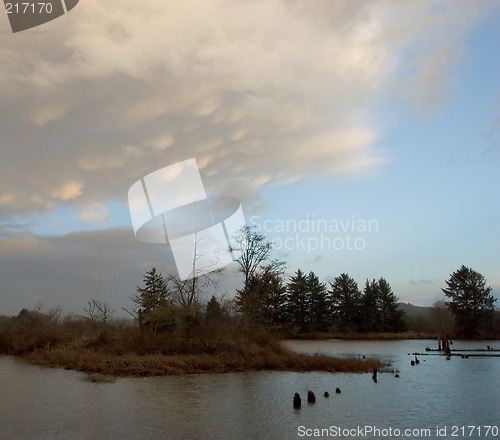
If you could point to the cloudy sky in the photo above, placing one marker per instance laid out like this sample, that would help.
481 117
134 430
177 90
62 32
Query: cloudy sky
363 137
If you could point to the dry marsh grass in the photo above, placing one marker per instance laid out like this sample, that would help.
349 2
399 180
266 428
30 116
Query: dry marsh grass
250 358
126 350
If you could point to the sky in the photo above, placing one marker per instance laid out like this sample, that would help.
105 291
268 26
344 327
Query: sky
360 137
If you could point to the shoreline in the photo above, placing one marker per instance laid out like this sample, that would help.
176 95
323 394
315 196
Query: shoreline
387 336
252 358
363 336
104 363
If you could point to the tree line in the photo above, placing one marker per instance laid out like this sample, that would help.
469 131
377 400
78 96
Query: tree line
305 304
301 303
174 318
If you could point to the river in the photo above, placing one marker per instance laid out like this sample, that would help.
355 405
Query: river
434 399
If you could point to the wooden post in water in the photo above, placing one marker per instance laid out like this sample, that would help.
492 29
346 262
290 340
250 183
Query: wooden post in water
297 401
311 398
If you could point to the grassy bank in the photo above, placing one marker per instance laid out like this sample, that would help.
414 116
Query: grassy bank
124 349
252 357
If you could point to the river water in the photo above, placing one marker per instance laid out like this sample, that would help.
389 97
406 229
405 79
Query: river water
434 399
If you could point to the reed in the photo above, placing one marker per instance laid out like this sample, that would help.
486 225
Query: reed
126 350
246 358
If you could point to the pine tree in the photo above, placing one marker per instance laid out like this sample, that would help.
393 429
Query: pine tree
298 300
150 298
319 304
214 310
346 303
370 316
391 317
273 297
263 298
471 301
380 309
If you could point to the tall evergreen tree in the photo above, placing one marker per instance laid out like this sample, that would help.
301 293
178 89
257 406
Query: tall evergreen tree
471 301
380 308
319 305
391 317
154 293
370 316
248 299
213 311
151 298
274 297
263 298
298 300
346 303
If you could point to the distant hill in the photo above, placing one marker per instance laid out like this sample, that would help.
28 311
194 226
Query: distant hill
413 311
419 318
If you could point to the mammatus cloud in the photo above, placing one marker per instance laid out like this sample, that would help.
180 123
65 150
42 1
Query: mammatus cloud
68 191
261 92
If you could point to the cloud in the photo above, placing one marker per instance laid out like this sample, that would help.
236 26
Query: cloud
261 93
6 198
422 282
95 212
102 161
71 269
22 244
13 227
68 191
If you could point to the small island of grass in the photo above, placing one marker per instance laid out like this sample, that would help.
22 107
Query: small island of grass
122 349
251 357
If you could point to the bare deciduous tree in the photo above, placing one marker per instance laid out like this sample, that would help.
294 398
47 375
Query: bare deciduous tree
254 249
98 311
